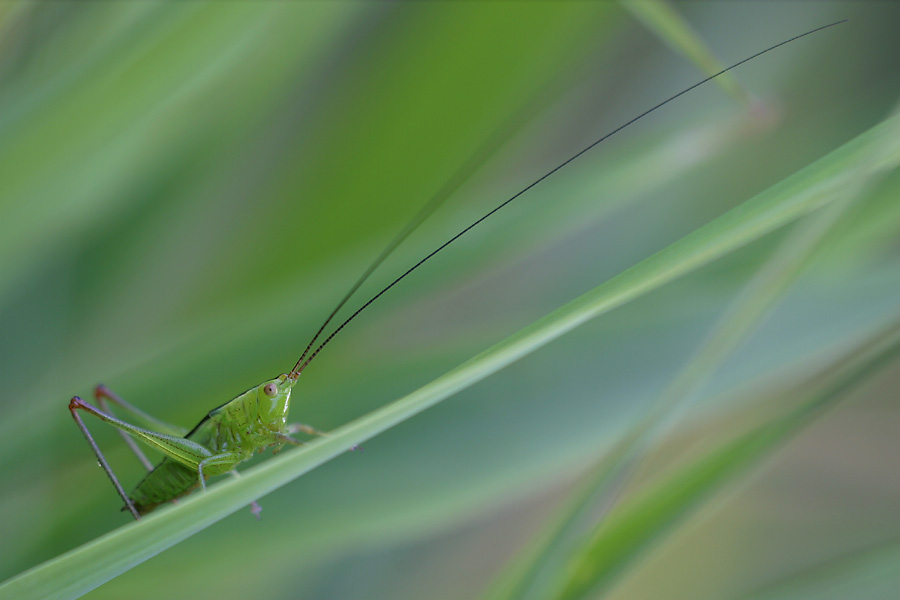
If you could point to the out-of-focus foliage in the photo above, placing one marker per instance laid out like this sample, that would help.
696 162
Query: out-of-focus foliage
186 189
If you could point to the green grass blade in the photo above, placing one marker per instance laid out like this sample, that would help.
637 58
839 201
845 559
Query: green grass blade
635 528
531 575
868 573
674 30
91 565
611 474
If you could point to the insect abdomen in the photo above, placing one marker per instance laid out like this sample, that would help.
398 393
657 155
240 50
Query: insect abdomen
169 480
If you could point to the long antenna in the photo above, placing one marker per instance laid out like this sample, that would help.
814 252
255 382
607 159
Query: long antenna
302 364
471 165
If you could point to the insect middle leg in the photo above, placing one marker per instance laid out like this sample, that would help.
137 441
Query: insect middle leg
255 508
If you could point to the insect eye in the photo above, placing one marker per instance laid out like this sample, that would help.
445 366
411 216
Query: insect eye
270 389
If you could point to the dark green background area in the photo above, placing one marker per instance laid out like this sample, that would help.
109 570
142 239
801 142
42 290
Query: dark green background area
186 189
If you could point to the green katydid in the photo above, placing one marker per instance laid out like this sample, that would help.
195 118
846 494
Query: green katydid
257 419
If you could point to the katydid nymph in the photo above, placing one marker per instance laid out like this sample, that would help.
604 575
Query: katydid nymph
258 418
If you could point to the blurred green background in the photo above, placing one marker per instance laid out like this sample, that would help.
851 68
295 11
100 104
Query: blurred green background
186 189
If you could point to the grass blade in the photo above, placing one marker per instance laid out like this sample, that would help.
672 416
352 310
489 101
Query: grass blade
89 566
633 529
673 29
867 573
541 568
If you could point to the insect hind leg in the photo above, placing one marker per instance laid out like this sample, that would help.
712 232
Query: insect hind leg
105 396
77 404
103 393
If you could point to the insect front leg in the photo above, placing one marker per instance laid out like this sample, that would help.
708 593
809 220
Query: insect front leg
283 439
310 430
303 428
